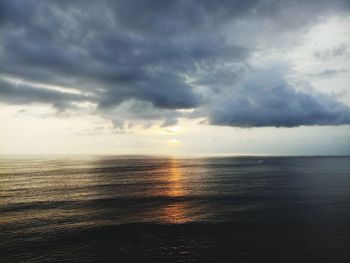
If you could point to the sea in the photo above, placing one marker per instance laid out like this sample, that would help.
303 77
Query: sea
164 209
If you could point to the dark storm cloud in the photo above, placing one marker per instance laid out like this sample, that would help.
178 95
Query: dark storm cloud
59 43
168 17
26 94
154 52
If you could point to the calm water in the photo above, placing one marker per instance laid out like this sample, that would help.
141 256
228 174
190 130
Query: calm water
113 209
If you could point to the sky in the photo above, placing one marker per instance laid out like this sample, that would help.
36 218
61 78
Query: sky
252 77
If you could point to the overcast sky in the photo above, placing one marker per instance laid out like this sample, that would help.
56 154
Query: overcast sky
175 77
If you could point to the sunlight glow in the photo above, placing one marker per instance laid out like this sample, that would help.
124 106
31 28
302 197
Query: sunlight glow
174 141
176 129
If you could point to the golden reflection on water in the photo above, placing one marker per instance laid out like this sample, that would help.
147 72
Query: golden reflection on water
174 176
46 182
177 212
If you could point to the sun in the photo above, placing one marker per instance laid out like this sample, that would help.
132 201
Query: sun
174 141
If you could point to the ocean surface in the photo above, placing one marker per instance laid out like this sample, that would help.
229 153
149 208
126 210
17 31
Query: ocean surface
144 209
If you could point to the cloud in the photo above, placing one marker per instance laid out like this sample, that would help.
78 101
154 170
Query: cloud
329 73
331 53
267 99
135 111
26 94
163 55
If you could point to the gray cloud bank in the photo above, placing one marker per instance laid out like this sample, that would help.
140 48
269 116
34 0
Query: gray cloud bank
148 59
266 99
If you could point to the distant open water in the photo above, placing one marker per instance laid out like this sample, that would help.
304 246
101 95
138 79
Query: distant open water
122 209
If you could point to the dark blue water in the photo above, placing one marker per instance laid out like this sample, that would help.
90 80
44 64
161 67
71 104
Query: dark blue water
114 209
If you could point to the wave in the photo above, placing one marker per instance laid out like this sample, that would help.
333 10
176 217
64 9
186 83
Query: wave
185 242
